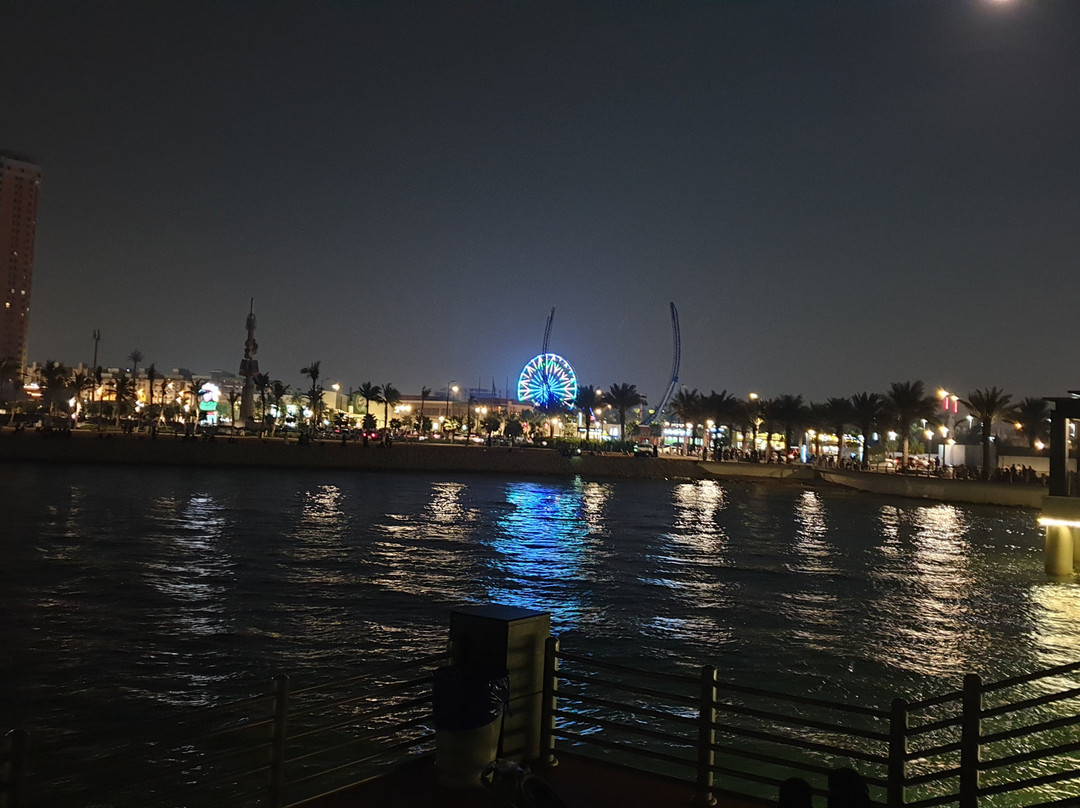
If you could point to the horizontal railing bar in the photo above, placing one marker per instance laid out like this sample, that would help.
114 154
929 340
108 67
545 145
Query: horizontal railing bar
633 729
935 701
930 802
226 732
359 719
581 698
94 739
1068 667
1031 782
1031 729
1035 701
630 750
361 738
332 695
1063 802
625 687
814 746
934 726
933 751
318 709
383 670
798 721
807 700
760 757
347 765
1024 757
615 666
930 777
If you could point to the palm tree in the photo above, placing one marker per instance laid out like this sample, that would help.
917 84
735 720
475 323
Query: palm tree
905 404
689 406
81 383
491 423
988 406
623 397
425 394
866 411
791 413
391 397
587 397
314 394
233 399
262 384
723 409
278 391
838 413
56 380
1032 415
369 392
151 377
136 357
123 388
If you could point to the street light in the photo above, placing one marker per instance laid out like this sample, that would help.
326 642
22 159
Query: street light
448 389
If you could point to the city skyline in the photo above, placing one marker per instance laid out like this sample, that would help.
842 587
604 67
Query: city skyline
835 198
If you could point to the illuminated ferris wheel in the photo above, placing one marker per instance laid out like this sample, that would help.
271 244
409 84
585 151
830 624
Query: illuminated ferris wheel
547 381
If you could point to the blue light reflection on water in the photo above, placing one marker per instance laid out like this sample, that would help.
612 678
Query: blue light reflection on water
181 587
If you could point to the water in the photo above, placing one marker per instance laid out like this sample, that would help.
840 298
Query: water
130 591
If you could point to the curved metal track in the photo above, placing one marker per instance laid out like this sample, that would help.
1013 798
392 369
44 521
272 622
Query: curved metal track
674 383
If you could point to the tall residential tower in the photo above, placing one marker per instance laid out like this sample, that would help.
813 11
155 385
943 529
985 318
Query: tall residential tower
19 181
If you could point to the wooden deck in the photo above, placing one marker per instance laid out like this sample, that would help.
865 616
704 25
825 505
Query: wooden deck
579 782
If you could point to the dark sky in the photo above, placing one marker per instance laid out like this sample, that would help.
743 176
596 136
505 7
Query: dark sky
835 195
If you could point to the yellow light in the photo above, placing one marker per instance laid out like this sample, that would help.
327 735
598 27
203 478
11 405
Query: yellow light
1040 445
1046 521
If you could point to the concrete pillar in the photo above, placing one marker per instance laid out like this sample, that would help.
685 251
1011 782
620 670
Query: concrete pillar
1059 454
507 638
1061 521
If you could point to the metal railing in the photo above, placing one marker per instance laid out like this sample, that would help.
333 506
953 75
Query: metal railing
269 751
1008 743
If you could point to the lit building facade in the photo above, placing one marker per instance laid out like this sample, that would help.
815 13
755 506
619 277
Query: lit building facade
19 182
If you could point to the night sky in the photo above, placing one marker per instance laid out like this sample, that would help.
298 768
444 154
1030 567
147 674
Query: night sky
835 195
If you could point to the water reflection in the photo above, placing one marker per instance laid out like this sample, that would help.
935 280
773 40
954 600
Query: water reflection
926 617
690 567
426 554
1056 613
814 553
541 544
193 571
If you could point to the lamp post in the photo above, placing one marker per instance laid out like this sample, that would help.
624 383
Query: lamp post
448 389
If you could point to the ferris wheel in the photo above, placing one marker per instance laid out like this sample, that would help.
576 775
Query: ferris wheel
547 381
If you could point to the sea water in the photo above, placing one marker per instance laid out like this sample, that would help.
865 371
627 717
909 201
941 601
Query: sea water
129 591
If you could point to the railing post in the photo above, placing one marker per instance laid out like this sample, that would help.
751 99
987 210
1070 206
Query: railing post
11 791
706 739
275 795
898 750
548 705
970 739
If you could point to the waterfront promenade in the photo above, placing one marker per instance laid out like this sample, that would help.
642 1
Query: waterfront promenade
405 456
169 450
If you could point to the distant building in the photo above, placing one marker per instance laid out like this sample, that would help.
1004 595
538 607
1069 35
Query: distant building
19 181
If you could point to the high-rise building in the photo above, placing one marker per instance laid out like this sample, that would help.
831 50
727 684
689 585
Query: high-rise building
19 181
